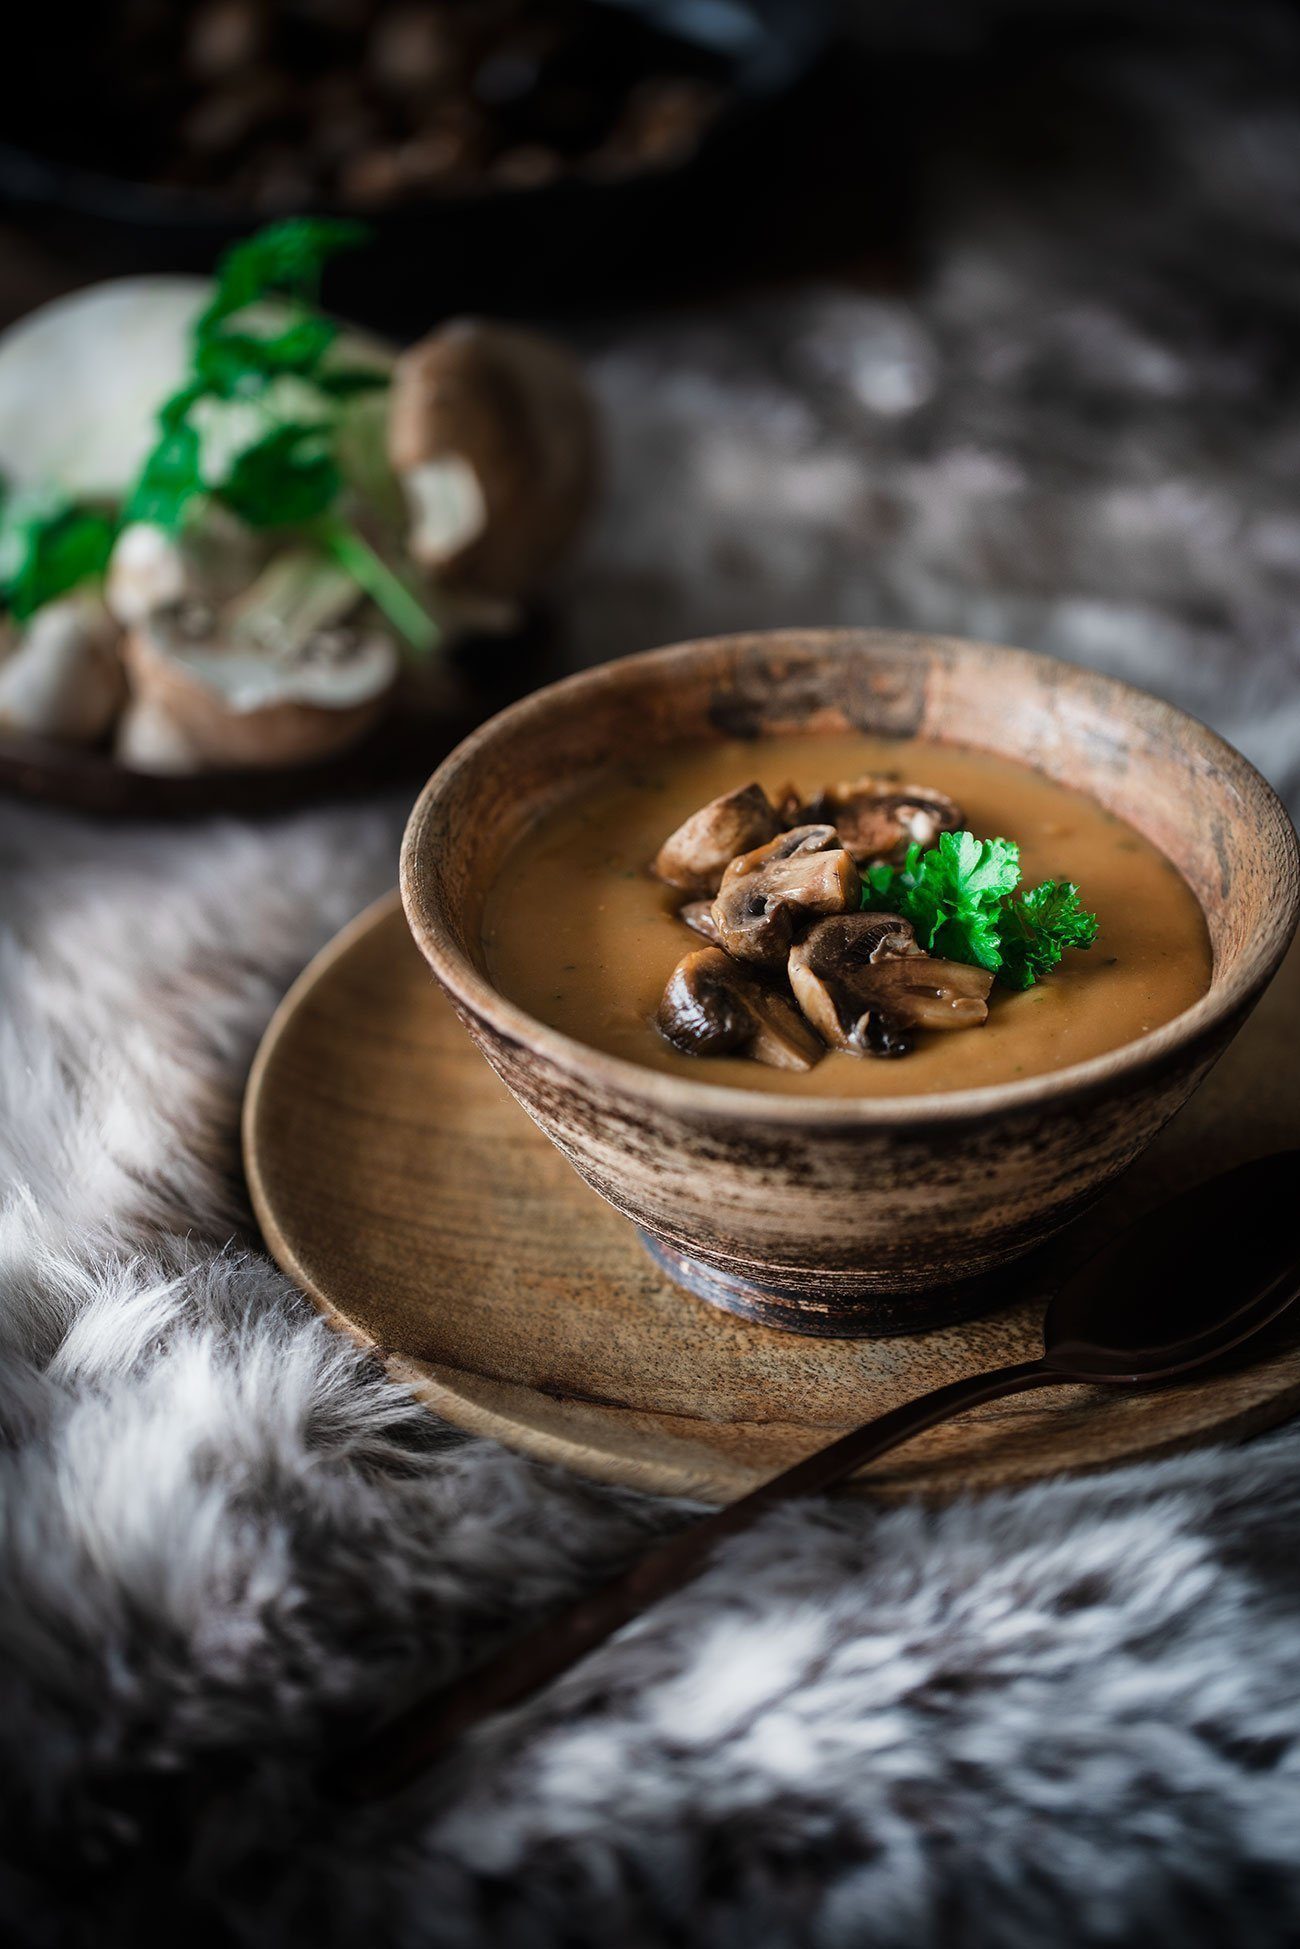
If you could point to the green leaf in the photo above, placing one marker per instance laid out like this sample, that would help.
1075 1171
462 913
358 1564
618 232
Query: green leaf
382 584
262 423
170 479
1038 928
49 545
285 259
228 364
286 479
958 897
175 410
257 421
952 895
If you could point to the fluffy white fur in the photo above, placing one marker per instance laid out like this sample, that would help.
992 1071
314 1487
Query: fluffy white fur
1070 1715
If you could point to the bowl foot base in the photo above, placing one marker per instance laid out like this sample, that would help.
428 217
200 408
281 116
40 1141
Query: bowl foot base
827 1315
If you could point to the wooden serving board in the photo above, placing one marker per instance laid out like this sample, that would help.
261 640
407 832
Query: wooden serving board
402 1188
478 677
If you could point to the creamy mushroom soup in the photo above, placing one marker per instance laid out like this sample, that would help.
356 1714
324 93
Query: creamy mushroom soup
580 933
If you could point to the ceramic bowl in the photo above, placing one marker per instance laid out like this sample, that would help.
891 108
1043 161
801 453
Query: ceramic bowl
854 1216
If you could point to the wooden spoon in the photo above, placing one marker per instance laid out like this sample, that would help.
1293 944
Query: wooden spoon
1181 1287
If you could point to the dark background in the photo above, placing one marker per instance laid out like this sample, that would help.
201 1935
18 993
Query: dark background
975 317
841 131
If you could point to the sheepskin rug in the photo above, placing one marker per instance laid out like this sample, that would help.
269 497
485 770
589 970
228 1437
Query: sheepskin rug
1069 1715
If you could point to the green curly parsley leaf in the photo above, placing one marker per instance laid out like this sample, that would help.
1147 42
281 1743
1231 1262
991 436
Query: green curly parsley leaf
171 476
48 546
231 364
283 260
281 476
959 899
285 480
952 895
259 423
1037 928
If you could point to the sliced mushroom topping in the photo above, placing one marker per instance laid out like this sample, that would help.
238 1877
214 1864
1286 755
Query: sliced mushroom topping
712 1007
875 817
695 857
698 914
866 986
766 893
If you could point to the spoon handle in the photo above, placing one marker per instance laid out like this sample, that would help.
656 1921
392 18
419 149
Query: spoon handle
410 1741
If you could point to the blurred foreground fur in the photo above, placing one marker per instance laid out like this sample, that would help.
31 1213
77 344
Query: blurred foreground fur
1066 1715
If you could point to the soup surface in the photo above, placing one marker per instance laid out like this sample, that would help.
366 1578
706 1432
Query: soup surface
578 932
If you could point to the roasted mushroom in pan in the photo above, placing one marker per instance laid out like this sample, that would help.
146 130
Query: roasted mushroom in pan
866 986
714 1007
765 894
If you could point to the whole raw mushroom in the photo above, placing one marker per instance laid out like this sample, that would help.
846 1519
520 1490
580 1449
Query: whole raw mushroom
61 675
81 379
492 433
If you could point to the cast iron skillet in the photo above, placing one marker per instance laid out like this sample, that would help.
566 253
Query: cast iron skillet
525 249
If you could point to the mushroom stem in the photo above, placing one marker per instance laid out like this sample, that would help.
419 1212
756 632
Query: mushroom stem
63 677
296 594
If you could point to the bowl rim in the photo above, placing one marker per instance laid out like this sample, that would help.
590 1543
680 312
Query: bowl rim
686 1098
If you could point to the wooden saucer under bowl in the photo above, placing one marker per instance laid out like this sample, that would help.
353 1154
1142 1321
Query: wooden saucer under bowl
402 1188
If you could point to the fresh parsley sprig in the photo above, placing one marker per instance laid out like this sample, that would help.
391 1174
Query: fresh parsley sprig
1038 927
961 899
286 258
257 424
49 545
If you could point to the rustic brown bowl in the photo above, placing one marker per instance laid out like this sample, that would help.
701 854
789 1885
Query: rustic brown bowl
858 1216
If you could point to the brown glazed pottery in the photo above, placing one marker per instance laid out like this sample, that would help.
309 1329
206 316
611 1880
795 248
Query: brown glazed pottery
868 1216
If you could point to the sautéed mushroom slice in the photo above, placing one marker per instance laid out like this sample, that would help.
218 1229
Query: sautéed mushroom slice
698 915
875 817
766 893
713 1007
694 858
866 986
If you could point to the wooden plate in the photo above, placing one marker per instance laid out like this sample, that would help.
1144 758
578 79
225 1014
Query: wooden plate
93 782
403 1189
